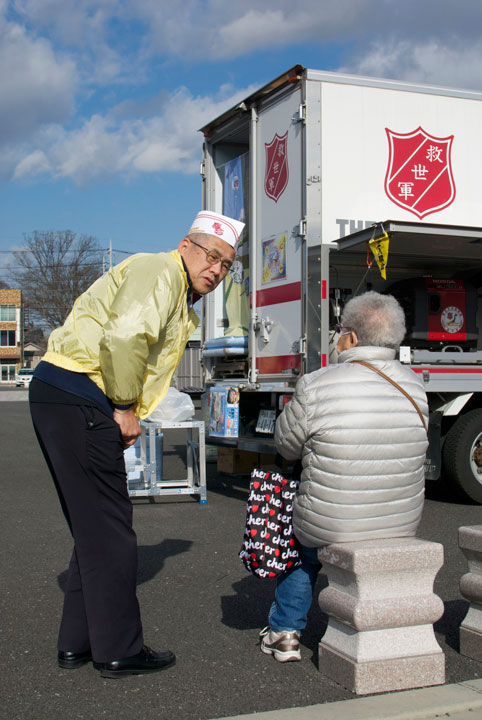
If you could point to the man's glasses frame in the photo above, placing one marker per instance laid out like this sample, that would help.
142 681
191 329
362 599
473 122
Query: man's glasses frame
213 258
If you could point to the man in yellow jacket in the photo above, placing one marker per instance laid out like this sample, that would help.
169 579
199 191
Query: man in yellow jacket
108 366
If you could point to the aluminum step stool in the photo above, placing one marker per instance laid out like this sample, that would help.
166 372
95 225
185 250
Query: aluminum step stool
144 468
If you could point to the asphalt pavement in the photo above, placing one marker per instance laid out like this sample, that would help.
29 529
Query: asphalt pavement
197 599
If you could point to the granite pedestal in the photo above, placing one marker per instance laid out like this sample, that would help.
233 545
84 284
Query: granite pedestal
470 542
381 609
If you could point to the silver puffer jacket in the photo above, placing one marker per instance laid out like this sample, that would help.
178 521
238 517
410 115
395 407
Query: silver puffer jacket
362 445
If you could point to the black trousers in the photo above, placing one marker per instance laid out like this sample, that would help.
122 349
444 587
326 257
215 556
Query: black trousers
84 452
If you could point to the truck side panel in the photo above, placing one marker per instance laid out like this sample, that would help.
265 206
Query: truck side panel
356 157
280 200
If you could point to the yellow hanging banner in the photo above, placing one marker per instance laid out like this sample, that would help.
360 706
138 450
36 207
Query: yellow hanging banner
379 248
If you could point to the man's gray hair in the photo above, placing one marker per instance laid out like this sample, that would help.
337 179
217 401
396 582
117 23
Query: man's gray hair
376 319
198 237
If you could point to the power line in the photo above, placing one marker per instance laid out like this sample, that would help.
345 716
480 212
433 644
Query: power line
60 266
26 250
62 263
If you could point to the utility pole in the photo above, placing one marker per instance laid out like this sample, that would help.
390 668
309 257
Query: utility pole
110 253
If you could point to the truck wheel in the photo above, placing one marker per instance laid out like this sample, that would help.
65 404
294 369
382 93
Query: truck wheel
462 454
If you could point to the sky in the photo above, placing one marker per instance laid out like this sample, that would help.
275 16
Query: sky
101 101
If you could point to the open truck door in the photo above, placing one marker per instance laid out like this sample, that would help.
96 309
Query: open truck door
255 152
277 240
435 271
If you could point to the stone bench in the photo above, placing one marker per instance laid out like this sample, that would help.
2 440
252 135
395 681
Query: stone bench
470 542
381 609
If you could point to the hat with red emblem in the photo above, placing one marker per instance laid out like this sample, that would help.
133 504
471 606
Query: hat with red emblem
211 223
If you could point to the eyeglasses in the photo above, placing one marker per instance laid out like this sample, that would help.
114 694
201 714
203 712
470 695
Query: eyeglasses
342 330
213 258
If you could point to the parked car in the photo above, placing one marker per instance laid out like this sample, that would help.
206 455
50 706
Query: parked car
24 376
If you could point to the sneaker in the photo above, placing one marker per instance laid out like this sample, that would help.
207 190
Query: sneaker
284 645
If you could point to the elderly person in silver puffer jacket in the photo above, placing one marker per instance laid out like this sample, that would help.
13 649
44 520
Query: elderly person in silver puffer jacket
362 445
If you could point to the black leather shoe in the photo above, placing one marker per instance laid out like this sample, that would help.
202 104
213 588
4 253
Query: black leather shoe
146 661
71 660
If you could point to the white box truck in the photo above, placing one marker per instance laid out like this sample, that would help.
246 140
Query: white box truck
346 184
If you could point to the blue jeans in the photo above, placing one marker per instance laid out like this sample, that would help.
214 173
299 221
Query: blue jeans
294 593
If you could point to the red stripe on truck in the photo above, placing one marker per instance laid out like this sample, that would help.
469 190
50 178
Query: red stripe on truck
275 365
447 370
279 294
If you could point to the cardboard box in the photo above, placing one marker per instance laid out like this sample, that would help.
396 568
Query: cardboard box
237 462
241 462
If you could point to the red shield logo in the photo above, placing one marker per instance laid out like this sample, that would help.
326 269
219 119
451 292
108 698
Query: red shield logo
276 176
419 175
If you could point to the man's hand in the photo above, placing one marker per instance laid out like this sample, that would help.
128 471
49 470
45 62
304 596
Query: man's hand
129 425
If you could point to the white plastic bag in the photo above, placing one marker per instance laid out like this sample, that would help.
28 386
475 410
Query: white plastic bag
176 407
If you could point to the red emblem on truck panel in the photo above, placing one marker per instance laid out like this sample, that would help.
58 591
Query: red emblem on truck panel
276 175
419 175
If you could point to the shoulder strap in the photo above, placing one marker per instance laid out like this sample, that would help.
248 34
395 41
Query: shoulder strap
395 384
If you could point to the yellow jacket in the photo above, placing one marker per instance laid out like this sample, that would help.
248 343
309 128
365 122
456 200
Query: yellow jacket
128 331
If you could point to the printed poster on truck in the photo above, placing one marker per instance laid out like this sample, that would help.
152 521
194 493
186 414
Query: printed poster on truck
236 284
224 412
274 258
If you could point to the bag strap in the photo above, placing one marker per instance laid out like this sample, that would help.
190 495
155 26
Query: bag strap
395 384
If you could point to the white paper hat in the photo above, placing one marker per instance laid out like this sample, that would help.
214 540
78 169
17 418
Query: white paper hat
212 223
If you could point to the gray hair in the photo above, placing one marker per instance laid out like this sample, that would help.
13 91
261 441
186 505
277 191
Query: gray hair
198 237
377 320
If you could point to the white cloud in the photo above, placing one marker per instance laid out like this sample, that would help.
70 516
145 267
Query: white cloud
428 62
92 43
112 39
94 149
283 24
91 32
216 29
109 145
34 163
70 22
256 28
36 86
